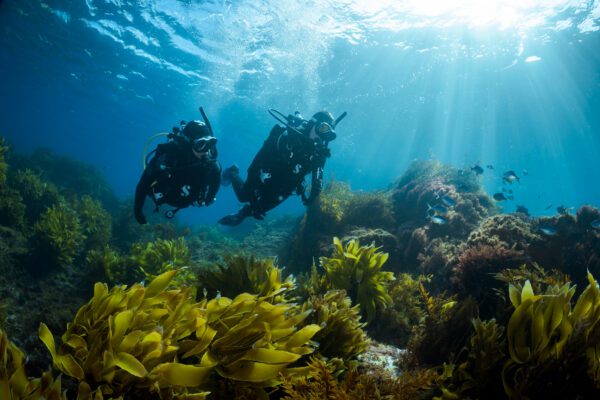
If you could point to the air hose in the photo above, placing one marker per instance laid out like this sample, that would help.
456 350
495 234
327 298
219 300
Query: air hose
150 139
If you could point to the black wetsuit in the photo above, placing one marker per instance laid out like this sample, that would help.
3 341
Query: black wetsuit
278 170
175 176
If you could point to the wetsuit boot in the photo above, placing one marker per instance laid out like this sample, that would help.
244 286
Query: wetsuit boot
237 218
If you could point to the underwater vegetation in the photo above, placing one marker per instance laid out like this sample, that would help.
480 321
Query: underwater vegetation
342 333
72 177
113 346
159 256
245 274
58 235
16 385
486 305
357 270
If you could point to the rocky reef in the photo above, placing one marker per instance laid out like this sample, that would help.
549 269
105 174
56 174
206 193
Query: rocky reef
483 304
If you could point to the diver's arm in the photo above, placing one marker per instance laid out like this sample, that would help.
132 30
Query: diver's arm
214 182
141 191
315 187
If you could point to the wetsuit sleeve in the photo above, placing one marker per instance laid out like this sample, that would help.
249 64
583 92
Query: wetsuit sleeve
141 191
214 182
317 177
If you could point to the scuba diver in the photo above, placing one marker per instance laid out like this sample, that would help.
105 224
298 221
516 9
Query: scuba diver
278 169
182 172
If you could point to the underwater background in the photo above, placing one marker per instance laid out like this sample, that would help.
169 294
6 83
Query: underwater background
515 86
452 254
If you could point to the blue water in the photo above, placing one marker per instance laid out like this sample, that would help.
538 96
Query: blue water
515 86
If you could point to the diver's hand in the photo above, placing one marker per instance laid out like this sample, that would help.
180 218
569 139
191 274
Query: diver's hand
140 217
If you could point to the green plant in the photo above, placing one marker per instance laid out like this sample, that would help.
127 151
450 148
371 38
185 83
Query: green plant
332 204
342 334
245 274
3 163
37 195
96 222
155 258
357 270
12 209
369 209
142 340
395 323
58 234
108 264
128 340
14 383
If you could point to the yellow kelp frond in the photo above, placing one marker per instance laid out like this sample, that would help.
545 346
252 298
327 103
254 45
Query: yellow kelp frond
131 338
255 340
544 328
160 256
342 332
246 274
14 383
357 270
540 325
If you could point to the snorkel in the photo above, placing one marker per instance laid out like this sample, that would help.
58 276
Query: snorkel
175 132
292 121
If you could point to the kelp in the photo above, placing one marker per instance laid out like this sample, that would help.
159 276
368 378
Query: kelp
14 383
342 333
58 234
159 256
245 274
357 270
154 340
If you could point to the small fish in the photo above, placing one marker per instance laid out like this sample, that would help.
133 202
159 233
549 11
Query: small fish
595 224
549 206
437 209
477 169
499 197
562 210
489 166
548 231
438 219
525 172
511 197
510 177
448 201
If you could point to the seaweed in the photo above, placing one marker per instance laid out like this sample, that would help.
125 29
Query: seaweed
14 383
96 222
357 270
342 333
58 235
246 274
155 258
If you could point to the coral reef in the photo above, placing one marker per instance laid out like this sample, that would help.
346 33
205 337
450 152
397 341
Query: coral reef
357 270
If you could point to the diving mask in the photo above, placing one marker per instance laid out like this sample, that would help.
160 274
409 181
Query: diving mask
325 131
204 144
